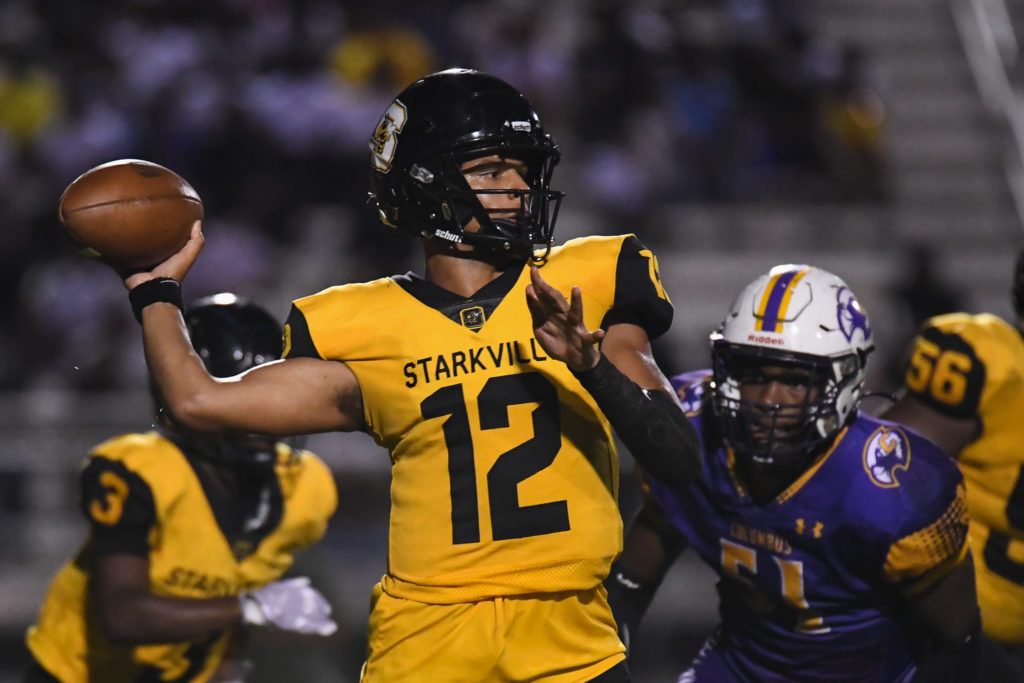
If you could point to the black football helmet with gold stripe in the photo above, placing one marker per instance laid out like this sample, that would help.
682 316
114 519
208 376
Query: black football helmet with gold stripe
429 130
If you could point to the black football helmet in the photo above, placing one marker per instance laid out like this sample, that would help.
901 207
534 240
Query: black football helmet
429 130
230 335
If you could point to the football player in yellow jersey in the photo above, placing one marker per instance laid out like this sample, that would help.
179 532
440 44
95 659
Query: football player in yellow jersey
190 535
964 389
494 381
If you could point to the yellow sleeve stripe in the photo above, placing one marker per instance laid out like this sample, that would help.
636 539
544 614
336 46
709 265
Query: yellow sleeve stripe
927 555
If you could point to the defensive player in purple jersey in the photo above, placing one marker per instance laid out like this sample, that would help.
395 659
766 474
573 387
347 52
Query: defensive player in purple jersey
839 539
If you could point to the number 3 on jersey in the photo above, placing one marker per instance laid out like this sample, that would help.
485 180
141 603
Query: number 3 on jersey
109 510
509 519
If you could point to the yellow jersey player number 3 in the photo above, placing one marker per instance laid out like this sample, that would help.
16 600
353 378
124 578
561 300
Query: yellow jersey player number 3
190 535
494 379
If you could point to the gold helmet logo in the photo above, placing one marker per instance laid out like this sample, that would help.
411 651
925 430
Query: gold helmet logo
384 142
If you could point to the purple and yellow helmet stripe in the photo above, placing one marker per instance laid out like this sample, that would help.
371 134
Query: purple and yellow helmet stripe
771 312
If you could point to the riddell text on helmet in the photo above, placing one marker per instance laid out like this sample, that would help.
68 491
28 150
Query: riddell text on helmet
764 339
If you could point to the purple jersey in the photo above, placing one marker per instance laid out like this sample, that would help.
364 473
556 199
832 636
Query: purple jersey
810 582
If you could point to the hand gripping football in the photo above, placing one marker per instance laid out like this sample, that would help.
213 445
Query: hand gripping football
130 213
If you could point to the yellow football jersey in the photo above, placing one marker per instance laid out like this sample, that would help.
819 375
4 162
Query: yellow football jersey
142 496
973 366
504 470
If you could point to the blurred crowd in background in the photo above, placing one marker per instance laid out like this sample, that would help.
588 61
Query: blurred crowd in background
265 106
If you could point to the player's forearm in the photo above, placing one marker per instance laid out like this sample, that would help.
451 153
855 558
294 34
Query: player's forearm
650 424
146 618
957 649
178 372
635 576
651 545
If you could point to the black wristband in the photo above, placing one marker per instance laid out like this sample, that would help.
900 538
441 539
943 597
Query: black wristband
161 290
595 375
629 599
630 583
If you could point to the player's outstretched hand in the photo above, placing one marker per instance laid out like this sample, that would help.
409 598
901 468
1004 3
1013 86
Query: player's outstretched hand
290 605
174 267
558 324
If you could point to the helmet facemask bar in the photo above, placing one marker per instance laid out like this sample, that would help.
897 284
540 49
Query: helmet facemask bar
509 238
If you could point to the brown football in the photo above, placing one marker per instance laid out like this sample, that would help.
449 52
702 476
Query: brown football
130 213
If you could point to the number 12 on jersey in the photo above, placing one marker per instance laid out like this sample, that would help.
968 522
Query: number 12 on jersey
509 519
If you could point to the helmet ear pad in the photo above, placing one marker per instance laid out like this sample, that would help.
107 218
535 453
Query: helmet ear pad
437 194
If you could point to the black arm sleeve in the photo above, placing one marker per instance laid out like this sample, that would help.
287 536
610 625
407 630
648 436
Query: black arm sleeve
651 425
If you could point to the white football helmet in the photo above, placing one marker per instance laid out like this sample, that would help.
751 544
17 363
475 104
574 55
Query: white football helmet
793 316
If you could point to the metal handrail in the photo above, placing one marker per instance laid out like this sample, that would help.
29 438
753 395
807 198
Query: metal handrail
992 52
